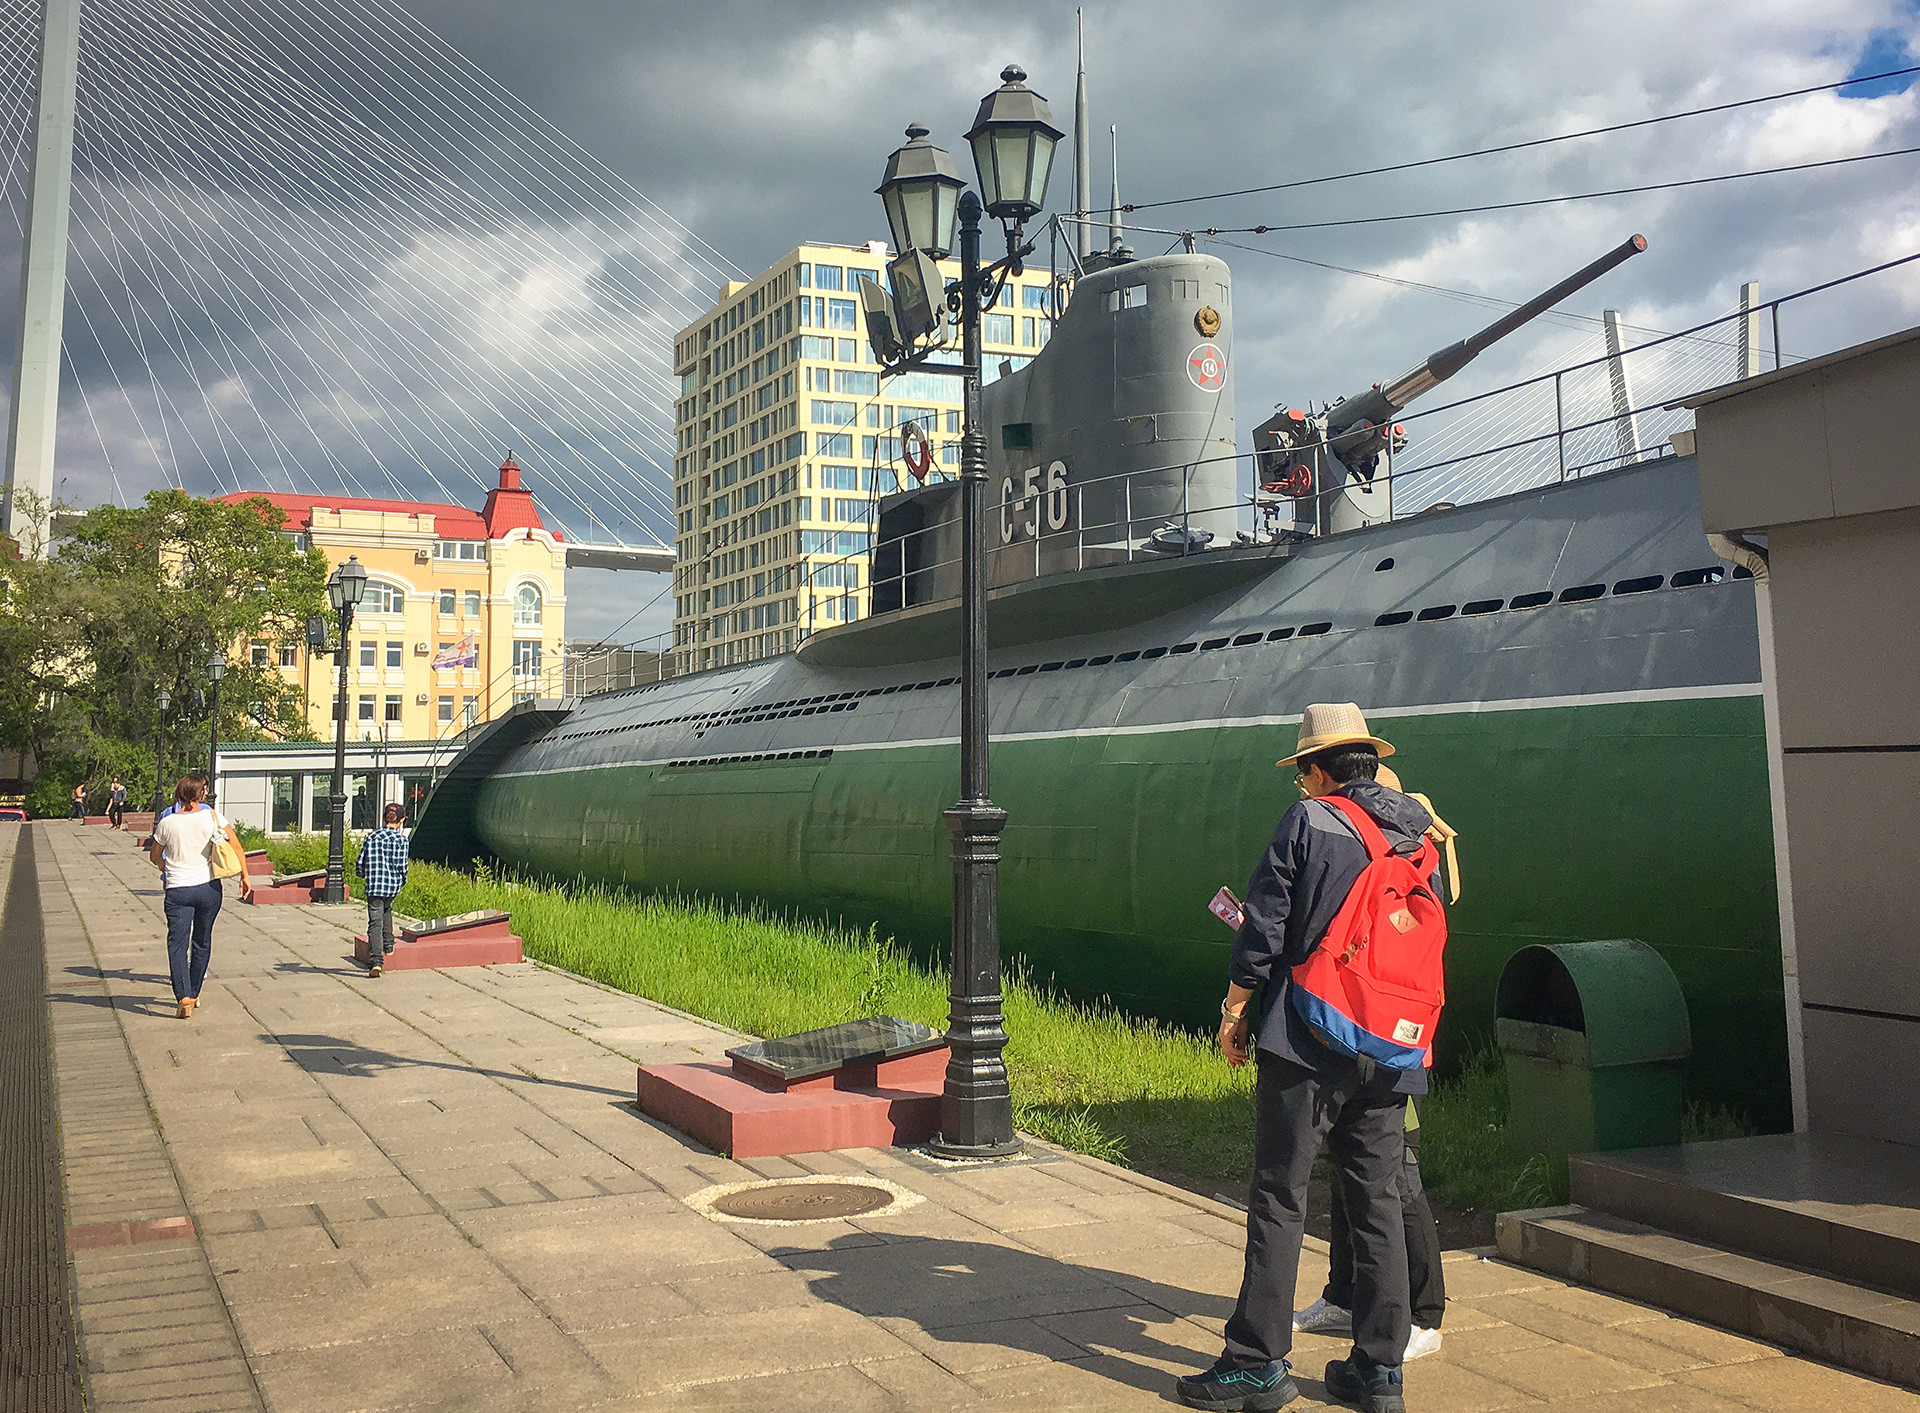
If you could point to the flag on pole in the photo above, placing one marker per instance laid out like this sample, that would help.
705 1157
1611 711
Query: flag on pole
465 653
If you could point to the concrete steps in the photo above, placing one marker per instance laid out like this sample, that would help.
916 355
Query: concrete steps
1809 1242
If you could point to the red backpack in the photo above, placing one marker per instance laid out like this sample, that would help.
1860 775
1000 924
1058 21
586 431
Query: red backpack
1374 984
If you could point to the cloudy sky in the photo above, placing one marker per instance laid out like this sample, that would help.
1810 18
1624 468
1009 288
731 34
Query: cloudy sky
756 126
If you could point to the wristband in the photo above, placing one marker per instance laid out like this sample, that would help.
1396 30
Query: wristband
1226 1014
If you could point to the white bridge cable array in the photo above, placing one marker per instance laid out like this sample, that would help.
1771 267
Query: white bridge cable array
314 248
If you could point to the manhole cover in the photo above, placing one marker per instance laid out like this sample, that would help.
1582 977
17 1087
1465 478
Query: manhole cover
803 1201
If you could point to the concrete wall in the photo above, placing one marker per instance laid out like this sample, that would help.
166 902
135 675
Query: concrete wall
1824 461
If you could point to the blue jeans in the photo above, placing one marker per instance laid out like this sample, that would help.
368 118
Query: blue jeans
190 915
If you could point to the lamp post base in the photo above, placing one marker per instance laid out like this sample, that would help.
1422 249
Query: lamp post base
940 1147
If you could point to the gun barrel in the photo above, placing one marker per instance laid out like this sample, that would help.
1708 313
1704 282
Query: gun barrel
1378 404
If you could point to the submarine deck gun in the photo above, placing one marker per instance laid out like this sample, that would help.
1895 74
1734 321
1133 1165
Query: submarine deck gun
1308 455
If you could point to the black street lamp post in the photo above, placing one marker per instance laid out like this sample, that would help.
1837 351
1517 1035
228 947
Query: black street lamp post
216 669
1012 139
345 586
162 699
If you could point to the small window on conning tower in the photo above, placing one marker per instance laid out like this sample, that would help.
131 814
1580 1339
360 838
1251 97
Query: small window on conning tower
1383 565
1535 600
1388 620
1580 593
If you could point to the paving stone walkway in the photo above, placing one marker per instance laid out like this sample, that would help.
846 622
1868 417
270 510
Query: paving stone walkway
432 1191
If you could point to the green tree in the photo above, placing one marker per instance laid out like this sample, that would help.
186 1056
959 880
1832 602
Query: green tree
141 598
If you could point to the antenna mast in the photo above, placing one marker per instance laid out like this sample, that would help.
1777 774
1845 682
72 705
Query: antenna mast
1116 231
1082 151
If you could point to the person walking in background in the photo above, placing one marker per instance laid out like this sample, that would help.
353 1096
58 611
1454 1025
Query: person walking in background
77 805
383 868
116 802
182 843
1345 828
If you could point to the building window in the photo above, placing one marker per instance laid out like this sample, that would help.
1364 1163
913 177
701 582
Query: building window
526 658
526 606
289 655
443 711
369 650
393 708
366 708
997 328
840 314
257 654
826 277
1033 296
447 599
838 444
460 549
396 654
470 604
284 814
383 598
469 710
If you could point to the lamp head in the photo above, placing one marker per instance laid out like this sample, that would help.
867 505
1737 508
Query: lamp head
351 581
1013 138
216 667
921 192
163 699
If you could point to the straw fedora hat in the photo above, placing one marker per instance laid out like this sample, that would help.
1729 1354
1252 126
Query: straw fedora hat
1327 724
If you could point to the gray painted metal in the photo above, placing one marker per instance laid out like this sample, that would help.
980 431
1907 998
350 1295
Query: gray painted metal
655 559
43 275
1626 429
1609 530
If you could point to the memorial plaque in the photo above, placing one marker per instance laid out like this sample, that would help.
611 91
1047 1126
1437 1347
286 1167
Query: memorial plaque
818 1052
456 922
299 880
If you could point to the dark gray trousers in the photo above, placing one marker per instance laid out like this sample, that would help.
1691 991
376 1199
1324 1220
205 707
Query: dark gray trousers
1424 1273
1363 1122
379 927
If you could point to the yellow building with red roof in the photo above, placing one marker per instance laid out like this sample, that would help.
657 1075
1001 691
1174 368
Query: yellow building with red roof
463 616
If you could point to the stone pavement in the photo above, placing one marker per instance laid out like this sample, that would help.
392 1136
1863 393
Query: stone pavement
432 1191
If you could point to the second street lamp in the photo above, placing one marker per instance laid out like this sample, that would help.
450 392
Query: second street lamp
1012 137
162 699
216 669
345 586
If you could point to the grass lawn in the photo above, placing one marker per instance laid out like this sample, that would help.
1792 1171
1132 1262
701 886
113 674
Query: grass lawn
1086 1077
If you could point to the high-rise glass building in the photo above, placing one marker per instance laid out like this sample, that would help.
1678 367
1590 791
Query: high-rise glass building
785 440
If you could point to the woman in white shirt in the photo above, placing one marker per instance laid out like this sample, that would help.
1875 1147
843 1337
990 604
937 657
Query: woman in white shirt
181 842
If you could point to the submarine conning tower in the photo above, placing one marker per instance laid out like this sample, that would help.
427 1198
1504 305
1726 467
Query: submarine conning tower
1115 443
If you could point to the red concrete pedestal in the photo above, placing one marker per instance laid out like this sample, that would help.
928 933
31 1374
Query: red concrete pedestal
290 892
258 864
483 942
744 1112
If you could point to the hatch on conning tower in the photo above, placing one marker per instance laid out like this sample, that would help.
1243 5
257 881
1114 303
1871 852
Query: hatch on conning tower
1115 443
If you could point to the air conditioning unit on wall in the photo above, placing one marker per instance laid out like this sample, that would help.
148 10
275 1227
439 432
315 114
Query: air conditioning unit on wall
420 699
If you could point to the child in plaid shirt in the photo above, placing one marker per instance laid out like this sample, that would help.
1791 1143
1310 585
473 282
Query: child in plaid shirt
383 868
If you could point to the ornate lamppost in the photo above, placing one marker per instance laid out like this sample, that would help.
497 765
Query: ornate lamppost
216 669
162 699
345 586
1013 139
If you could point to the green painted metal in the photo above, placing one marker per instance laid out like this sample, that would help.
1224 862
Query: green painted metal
1638 819
1595 1036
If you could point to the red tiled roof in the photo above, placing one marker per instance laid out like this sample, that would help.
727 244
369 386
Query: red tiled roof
509 506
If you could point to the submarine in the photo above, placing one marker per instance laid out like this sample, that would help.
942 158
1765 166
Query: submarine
1569 671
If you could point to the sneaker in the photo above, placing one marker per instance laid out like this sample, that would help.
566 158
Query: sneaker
1322 1318
374 970
1374 1389
1226 1388
1420 1343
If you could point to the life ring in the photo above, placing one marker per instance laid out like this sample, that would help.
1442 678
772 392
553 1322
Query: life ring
916 449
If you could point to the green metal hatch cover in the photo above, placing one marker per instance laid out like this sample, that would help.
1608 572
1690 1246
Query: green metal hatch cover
803 1201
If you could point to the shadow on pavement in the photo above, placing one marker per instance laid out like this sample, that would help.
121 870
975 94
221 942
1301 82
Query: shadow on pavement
968 1292
328 1054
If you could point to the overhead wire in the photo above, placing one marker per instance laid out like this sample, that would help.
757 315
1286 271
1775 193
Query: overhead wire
1522 146
1524 203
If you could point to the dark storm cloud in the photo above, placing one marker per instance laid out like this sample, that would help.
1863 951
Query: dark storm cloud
759 126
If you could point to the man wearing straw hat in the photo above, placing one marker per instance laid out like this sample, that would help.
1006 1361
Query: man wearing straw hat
1306 1091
